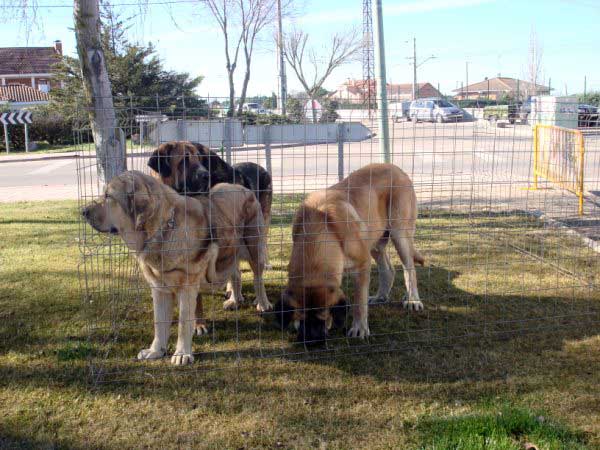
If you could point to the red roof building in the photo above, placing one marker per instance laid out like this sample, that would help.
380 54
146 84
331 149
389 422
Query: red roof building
21 95
29 66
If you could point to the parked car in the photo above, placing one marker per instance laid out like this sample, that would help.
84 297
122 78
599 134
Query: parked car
252 107
587 116
400 111
512 113
434 109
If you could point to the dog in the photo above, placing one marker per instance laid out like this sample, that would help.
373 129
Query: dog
183 245
339 229
193 169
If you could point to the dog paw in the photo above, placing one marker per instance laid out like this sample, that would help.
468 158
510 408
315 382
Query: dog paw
182 359
200 329
149 353
413 305
359 330
230 305
378 299
264 306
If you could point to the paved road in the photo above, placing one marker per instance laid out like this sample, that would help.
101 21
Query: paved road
452 161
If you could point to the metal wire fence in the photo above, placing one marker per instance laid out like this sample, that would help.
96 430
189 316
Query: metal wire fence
501 258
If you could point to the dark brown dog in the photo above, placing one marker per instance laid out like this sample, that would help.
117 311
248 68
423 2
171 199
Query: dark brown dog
339 229
192 169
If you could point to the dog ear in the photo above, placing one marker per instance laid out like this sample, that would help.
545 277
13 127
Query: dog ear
139 202
339 313
283 310
159 162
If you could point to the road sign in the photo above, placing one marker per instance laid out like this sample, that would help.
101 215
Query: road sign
16 118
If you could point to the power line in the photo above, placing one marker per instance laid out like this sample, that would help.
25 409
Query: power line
141 3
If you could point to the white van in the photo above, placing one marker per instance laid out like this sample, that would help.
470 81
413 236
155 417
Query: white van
434 110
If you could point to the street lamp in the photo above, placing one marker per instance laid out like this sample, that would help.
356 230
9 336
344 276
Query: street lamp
488 88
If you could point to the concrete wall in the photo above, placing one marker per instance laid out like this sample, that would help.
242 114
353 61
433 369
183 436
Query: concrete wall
213 133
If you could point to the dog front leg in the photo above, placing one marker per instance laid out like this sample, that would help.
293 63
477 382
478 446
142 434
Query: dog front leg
187 308
234 290
163 314
360 307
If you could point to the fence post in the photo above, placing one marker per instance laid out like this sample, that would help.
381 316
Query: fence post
227 140
180 130
535 156
340 140
267 141
581 145
6 139
26 138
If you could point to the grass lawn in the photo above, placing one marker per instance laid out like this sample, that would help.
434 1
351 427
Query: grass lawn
468 374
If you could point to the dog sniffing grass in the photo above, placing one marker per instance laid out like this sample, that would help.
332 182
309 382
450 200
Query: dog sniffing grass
448 394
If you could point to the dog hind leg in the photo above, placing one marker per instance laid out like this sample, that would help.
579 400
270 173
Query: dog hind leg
234 290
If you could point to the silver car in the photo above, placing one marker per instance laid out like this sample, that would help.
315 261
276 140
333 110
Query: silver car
434 109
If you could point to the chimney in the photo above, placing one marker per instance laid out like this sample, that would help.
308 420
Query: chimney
58 47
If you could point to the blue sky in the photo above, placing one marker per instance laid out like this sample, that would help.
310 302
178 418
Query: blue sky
492 35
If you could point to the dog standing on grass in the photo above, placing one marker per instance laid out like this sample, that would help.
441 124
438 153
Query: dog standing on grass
183 245
340 229
193 169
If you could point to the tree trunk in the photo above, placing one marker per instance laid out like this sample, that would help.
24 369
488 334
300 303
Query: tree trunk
244 89
231 111
109 150
314 110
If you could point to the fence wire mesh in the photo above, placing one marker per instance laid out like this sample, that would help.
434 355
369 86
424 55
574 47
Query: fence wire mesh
502 257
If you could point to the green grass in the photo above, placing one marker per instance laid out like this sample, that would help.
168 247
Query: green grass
469 371
510 429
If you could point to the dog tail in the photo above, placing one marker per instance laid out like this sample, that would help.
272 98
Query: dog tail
418 258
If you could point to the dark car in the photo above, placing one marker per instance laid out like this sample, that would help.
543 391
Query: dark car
587 116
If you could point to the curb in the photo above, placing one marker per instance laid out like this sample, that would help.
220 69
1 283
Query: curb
42 158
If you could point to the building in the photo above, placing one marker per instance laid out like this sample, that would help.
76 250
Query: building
498 87
29 66
355 91
17 96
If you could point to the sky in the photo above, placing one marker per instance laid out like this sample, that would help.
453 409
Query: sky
493 36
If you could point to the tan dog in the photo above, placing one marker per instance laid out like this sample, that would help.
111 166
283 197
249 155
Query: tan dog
183 245
193 169
339 229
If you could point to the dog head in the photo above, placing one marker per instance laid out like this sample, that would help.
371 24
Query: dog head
179 164
128 207
314 311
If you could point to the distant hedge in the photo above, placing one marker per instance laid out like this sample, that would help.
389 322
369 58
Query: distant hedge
46 127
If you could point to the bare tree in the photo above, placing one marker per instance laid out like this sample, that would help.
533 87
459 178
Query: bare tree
241 22
255 15
97 88
343 48
223 11
534 63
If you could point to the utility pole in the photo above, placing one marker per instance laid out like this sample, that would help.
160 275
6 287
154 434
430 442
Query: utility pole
282 78
381 82
467 82
585 88
414 68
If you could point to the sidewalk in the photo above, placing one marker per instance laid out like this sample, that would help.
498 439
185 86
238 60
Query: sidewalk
33 156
